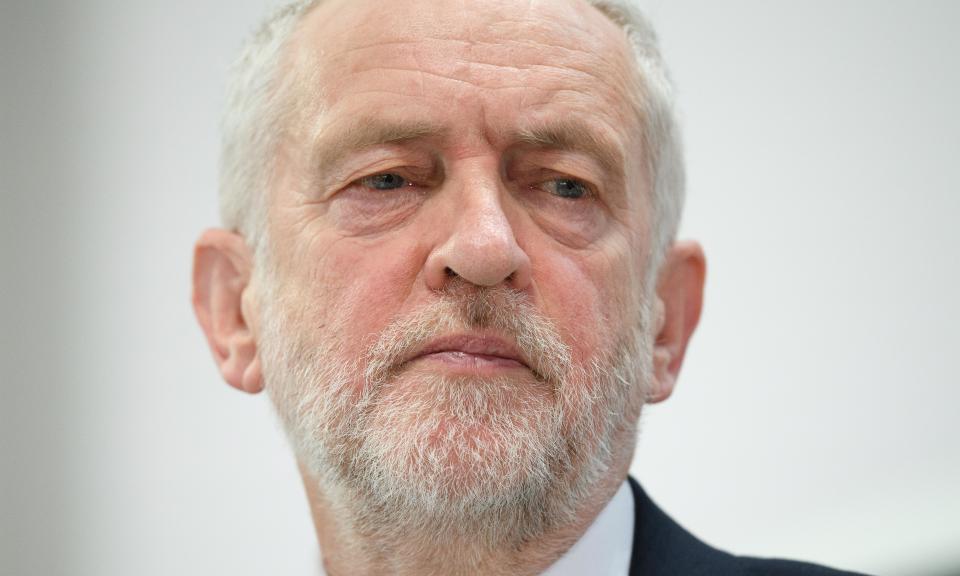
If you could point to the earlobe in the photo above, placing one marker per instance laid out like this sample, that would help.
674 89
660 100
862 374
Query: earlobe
252 377
221 276
661 385
241 367
678 303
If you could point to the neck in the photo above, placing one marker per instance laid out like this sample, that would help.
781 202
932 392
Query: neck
357 538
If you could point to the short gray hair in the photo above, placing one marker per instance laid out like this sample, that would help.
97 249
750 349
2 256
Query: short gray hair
252 122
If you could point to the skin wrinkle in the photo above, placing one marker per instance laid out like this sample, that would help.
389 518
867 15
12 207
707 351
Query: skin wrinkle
578 18
334 144
379 73
574 136
594 68
308 221
465 43
590 66
371 240
364 238
565 285
525 27
419 68
556 92
388 132
585 93
566 136
503 88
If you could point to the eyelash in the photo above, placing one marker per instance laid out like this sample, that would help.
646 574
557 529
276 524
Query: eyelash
370 182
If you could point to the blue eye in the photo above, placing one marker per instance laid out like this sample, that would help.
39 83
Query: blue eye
567 188
385 181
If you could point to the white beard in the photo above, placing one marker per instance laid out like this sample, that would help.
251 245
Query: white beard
493 461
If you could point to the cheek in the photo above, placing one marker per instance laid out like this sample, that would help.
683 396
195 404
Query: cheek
356 288
589 296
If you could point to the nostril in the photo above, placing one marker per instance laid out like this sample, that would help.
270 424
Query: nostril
449 272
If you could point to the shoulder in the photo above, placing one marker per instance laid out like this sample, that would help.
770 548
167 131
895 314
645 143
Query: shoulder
772 567
661 546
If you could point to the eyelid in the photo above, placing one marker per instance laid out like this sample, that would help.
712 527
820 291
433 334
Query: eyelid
415 178
379 160
573 162
538 166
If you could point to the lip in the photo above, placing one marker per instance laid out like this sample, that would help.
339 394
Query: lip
472 351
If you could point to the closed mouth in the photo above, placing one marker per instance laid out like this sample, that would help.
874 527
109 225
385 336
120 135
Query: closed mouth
477 350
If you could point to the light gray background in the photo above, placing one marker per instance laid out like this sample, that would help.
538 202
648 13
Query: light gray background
817 413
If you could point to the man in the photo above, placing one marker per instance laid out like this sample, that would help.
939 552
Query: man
450 260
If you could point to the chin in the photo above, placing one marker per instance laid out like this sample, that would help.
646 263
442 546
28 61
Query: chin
460 443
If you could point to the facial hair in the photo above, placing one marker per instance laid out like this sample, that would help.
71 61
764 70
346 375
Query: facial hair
496 461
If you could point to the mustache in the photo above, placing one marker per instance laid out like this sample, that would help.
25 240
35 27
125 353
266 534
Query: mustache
506 312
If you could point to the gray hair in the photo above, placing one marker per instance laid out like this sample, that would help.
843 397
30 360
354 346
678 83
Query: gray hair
252 122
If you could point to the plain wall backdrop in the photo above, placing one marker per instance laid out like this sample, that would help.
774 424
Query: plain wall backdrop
816 416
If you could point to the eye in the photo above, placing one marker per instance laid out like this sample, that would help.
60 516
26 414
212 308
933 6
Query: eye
567 188
385 181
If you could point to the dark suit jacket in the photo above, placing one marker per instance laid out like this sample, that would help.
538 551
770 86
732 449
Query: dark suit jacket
662 548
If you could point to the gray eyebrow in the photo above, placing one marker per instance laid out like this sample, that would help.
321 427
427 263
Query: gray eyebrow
576 136
330 148
332 145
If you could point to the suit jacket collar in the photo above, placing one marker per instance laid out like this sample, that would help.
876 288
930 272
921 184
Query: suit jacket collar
661 546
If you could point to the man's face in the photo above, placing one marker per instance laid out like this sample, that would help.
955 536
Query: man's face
458 233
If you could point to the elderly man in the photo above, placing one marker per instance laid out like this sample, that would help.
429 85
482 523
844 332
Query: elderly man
449 257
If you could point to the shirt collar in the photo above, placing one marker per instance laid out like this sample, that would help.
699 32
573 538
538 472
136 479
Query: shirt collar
606 546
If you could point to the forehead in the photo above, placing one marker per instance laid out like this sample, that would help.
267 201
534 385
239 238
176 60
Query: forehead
497 59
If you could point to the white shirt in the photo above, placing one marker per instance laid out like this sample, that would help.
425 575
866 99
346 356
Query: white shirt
606 546
604 549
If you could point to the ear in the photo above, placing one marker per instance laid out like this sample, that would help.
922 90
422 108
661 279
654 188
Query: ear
222 263
676 313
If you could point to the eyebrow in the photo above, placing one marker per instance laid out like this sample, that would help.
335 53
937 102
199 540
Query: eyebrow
330 148
576 136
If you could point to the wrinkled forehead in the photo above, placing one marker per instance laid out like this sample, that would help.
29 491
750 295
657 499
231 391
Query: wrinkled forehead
341 25
495 44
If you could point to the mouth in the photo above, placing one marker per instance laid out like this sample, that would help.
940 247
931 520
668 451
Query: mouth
471 354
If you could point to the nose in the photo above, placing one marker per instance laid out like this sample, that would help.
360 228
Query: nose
480 246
